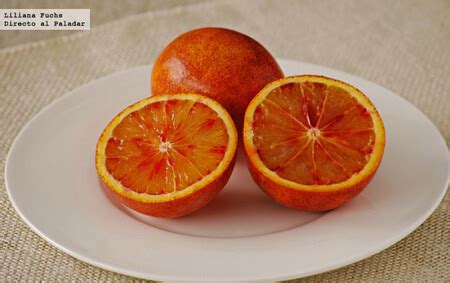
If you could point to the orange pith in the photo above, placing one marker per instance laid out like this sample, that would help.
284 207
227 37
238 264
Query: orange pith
312 134
165 148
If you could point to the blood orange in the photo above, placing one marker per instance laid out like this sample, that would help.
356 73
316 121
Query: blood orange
167 156
312 142
223 64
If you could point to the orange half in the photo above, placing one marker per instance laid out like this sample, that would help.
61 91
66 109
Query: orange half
312 142
167 156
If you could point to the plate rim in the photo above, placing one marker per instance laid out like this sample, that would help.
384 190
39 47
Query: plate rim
325 268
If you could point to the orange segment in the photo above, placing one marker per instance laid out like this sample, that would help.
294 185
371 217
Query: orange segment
165 148
312 133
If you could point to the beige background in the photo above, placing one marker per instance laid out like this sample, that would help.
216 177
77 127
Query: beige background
402 45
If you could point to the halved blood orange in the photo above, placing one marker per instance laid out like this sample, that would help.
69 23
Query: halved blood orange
312 142
167 156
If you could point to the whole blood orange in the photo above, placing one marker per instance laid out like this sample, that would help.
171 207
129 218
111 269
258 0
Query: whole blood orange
312 142
223 64
167 156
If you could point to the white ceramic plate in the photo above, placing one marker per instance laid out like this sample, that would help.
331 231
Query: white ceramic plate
241 236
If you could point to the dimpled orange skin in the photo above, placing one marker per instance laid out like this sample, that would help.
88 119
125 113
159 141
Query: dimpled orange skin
310 201
178 207
223 64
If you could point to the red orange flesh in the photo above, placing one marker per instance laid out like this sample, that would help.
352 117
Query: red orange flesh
312 142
